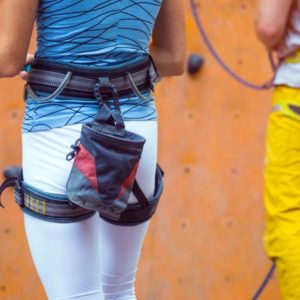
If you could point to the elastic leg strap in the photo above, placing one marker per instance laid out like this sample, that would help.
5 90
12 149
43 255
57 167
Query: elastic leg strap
51 207
58 208
140 212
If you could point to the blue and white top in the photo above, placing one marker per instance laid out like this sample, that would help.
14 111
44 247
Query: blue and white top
96 33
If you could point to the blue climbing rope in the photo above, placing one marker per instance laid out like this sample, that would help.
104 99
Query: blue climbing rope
221 62
246 83
264 283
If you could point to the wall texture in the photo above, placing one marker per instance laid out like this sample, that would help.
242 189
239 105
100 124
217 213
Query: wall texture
205 242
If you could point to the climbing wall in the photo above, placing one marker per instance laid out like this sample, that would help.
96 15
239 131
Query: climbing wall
205 242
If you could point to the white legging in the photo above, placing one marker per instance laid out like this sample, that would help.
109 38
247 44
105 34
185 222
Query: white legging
91 259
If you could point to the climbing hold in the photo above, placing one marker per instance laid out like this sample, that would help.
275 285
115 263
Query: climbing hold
12 171
195 62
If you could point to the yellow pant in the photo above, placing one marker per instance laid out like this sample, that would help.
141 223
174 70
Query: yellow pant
282 190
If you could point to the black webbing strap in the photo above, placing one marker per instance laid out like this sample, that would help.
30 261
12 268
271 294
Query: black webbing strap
145 208
134 214
139 195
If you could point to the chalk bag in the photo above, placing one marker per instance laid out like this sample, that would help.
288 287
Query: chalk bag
106 159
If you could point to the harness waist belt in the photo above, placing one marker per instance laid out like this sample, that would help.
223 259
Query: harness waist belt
46 76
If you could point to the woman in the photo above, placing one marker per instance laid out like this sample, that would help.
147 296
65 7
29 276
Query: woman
278 27
90 258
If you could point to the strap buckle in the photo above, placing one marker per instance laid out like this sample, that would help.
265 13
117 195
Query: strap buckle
18 191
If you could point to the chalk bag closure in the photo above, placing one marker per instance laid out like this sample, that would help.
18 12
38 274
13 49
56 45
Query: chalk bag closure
106 159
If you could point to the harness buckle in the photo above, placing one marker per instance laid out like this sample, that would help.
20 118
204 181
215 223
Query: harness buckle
13 181
19 193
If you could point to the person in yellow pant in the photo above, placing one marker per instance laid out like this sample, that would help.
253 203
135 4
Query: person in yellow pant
278 27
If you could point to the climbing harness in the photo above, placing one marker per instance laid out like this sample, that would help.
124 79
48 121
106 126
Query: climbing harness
73 81
217 57
106 156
